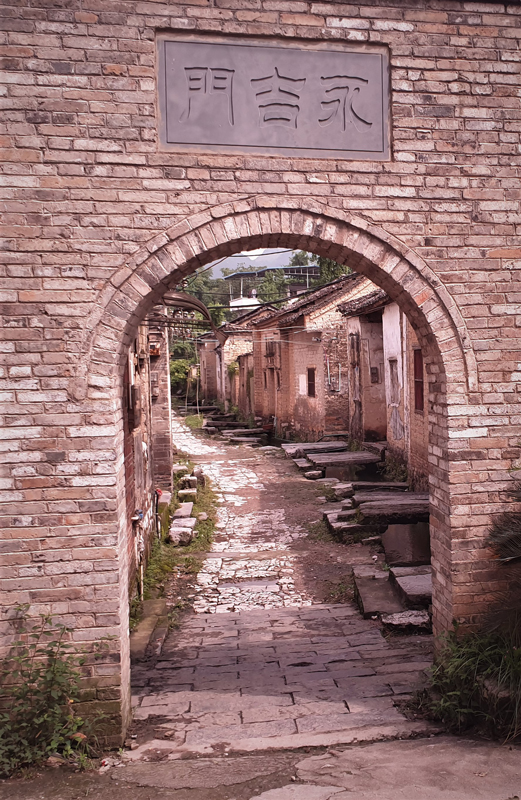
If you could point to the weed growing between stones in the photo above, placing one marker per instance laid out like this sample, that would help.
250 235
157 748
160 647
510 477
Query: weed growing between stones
393 468
194 421
476 683
341 592
319 531
40 681
166 560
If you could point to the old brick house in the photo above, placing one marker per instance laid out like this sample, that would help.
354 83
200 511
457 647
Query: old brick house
387 382
219 368
147 444
299 362
119 179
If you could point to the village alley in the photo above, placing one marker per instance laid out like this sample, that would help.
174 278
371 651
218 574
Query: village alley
263 662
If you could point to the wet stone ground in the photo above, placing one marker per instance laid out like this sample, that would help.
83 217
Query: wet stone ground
264 661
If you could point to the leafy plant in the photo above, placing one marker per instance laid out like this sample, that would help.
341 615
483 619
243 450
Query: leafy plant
393 468
194 421
505 536
476 681
179 369
40 681
233 369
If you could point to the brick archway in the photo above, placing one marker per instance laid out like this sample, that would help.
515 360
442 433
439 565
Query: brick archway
268 222
407 279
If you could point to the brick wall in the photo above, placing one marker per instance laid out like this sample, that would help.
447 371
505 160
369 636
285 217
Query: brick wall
99 221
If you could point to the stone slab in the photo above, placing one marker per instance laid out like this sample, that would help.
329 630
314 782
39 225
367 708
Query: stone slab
295 791
346 459
415 586
183 522
242 432
377 495
407 620
367 486
376 596
184 494
304 448
302 463
184 510
407 507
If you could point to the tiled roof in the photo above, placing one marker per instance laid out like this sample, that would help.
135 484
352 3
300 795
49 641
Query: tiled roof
316 299
366 304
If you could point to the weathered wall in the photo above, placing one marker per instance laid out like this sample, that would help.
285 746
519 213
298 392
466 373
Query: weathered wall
235 345
374 412
418 420
161 421
208 369
246 391
100 221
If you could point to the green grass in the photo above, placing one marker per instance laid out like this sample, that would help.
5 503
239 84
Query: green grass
194 421
342 591
165 557
476 683
319 531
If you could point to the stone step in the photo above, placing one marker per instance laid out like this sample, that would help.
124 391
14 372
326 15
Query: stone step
347 515
245 439
344 530
374 592
179 469
368 486
242 432
413 585
183 522
187 494
406 507
302 463
376 496
375 447
227 424
184 510
188 482
343 490
301 449
313 474
407 621
344 459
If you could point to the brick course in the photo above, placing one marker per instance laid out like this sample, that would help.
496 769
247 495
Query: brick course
99 222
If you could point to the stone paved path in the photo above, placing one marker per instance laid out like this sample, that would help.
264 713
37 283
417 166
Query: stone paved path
259 664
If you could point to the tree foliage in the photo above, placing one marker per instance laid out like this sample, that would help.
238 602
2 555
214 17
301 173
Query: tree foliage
273 286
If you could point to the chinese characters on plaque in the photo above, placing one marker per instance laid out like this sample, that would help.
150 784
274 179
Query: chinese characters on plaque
274 99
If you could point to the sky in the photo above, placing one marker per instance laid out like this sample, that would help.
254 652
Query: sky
255 259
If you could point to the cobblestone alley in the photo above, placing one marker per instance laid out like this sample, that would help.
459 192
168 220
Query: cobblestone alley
264 662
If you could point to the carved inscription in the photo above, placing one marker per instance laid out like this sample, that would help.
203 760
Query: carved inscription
277 98
203 81
273 99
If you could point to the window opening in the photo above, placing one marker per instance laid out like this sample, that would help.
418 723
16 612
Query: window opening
418 381
395 386
354 349
311 382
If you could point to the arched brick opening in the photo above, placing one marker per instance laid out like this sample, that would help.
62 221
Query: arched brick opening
247 225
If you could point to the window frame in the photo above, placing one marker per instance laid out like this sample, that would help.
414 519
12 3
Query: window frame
312 384
418 381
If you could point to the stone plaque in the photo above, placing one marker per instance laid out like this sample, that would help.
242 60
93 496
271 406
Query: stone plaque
269 99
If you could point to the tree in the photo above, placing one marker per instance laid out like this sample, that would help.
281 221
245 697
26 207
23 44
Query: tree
329 270
299 259
274 286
